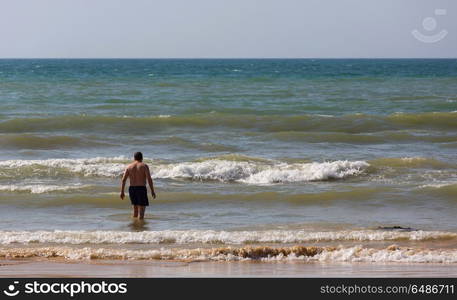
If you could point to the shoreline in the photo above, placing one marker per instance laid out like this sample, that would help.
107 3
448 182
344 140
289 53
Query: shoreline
29 268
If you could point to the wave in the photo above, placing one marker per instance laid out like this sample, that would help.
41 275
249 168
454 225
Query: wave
411 162
431 120
211 169
247 172
447 190
39 142
356 123
41 188
358 138
392 253
225 168
238 158
216 237
203 146
98 166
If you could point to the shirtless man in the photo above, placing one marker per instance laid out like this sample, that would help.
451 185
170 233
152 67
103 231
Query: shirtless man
138 172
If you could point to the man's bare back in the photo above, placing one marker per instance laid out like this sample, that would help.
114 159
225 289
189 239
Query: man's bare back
138 173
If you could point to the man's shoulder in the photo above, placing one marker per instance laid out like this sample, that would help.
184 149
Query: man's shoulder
137 165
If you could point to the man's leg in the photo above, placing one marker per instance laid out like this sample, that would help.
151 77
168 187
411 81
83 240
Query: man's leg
135 211
142 209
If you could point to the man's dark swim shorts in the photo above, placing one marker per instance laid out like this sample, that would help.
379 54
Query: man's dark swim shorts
138 195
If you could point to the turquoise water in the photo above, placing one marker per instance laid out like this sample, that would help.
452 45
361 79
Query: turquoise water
233 145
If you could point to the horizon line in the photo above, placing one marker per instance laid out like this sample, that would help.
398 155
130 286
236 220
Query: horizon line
228 58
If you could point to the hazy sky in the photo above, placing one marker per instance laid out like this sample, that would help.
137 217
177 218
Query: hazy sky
229 28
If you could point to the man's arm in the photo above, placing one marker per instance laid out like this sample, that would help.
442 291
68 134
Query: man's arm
123 181
151 184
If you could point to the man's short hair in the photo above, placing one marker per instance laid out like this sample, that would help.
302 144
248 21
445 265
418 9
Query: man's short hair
138 156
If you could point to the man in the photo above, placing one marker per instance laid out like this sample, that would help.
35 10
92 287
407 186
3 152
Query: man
138 172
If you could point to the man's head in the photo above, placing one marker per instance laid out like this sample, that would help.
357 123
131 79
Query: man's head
138 156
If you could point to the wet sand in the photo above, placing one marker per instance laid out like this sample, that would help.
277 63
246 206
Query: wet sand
50 268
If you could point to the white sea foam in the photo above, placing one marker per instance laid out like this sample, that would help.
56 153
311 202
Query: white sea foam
391 254
221 170
296 253
439 184
213 169
40 188
259 173
325 116
307 172
214 237
98 166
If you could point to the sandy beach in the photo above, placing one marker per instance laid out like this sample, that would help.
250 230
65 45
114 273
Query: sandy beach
119 269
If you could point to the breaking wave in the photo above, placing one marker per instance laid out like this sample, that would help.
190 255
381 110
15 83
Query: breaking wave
392 253
41 188
254 173
251 172
98 166
216 237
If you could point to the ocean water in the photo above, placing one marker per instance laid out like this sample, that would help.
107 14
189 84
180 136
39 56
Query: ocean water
252 159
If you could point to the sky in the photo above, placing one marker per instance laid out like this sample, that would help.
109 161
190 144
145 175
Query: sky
227 28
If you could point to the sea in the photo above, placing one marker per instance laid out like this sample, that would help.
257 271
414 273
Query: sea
309 160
